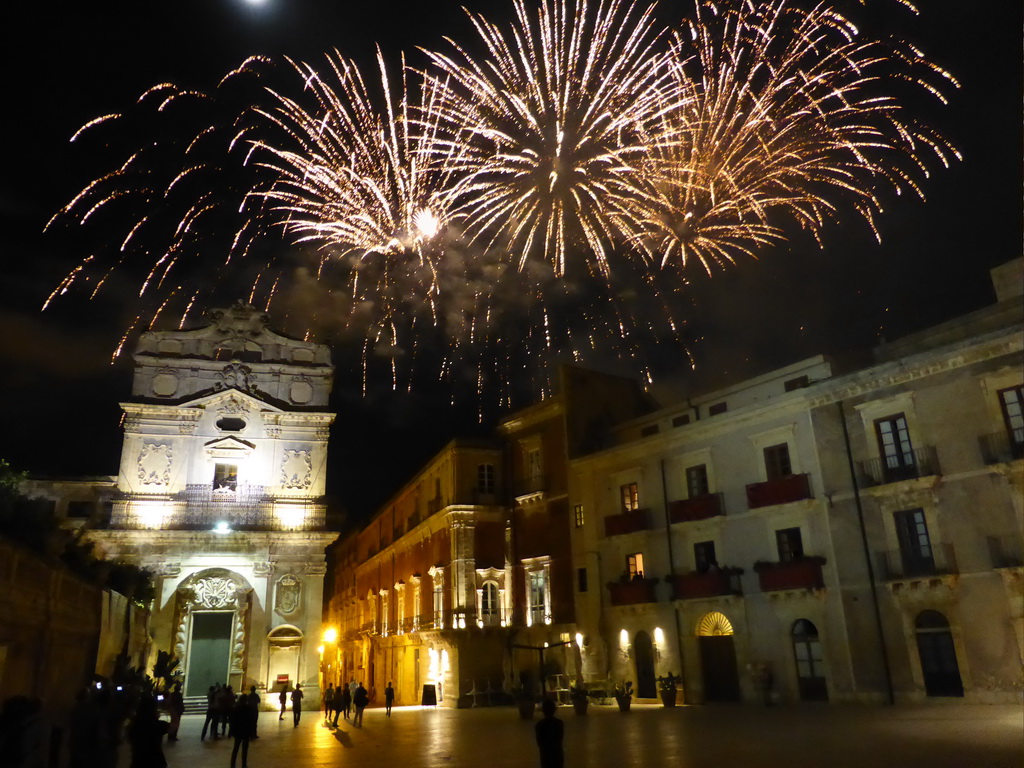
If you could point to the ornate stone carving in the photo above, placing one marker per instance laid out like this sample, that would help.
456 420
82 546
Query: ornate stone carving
262 568
187 429
301 390
236 376
323 434
168 569
273 432
233 406
296 469
287 594
155 464
316 569
216 592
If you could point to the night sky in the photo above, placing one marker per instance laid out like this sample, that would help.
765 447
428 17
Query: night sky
66 63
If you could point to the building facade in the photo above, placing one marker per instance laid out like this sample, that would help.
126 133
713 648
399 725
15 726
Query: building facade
820 532
220 494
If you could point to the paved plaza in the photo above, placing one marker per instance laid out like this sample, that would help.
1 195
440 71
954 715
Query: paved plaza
836 736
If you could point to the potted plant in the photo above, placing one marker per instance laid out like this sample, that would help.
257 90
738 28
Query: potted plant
667 688
580 699
623 695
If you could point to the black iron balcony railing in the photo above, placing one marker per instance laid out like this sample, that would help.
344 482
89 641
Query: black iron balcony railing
922 462
935 560
1002 447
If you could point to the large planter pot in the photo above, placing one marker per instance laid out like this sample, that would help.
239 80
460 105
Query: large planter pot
668 698
526 707
624 703
580 706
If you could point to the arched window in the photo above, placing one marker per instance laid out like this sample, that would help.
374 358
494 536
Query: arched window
490 606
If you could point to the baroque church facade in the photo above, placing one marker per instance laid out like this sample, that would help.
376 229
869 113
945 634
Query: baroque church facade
220 493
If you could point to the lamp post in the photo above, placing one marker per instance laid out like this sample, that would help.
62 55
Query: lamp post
328 651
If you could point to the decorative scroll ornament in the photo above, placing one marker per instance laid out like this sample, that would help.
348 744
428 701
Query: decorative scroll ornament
236 376
287 597
233 406
155 464
296 469
215 592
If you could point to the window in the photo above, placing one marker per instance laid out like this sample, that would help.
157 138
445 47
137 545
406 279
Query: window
635 565
776 461
581 579
704 556
790 544
577 513
384 613
225 477
697 481
682 420
894 447
538 597
534 467
718 408
438 601
915 545
630 497
230 424
485 478
1012 402
649 430
400 610
489 605
416 607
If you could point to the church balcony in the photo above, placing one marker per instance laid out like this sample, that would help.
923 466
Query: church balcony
199 507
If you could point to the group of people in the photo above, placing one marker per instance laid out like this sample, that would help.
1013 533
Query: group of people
341 700
235 717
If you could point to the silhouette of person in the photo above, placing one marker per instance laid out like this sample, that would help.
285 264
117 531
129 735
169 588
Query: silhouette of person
361 699
297 695
243 722
254 704
389 699
212 712
83 732
328 701
24 734
146 735
176 707
283 698
345 705
550 731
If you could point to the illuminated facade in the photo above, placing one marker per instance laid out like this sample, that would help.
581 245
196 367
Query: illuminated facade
220 494
828 532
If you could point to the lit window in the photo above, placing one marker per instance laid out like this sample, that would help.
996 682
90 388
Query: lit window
538 606
438 601
635 565
490 607
534 466
630 497
578 515
225 477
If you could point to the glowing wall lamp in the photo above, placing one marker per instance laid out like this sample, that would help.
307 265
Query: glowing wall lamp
222 528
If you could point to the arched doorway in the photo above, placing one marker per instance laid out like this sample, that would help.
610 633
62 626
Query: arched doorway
718 658
810 663
284 649
938 655
643 656
212 618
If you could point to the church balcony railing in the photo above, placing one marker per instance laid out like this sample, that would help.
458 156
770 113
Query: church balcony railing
199 507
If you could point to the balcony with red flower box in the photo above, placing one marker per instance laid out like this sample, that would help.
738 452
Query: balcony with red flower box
627 522
802 573
689 586
781 490
633 591
697 508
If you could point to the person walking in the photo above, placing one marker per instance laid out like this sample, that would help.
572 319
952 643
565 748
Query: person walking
297 696
328 702
176 708
146 735
212 712
242 722
254 705
360 700
550 731
226 704
346 703
389 699
283 698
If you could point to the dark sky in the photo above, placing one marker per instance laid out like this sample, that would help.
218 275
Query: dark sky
66 63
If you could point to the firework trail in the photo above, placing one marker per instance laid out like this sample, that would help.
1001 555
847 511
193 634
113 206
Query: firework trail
534 196
790 116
